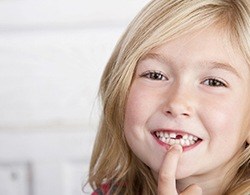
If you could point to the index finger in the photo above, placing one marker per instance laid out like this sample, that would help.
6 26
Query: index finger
166 178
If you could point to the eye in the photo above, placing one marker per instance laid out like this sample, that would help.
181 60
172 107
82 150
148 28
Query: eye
154 75
213 82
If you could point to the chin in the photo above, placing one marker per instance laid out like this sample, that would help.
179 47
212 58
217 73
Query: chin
184 173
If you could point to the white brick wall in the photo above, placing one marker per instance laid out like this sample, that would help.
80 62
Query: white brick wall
52 53
79 13
51 77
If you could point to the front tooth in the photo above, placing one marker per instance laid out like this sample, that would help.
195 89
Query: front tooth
166 135
163 139
182 142
187 142
177 141
172 141
185 136
172 135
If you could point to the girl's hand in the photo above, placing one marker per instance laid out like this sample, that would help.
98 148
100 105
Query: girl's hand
166 178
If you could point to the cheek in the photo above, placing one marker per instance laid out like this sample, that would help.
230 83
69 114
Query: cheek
140 105
133 117
134 110
224 120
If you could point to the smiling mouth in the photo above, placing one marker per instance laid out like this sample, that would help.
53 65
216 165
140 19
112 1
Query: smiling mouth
172 138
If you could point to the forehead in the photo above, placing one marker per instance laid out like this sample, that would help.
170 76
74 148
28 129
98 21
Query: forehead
207 45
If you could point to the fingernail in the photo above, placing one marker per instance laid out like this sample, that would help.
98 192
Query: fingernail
176 147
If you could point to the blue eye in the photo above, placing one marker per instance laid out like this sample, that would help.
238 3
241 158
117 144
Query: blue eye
214 83
154 75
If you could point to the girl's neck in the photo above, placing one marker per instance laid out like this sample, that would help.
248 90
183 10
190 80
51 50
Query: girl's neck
209 186
213 183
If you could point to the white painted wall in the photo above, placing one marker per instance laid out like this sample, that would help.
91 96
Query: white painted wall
52 54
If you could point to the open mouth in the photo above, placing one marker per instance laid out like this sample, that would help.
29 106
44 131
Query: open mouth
172 138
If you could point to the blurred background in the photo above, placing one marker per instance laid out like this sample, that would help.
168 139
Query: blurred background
52 54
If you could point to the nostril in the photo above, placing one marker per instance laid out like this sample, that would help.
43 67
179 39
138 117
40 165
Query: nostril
185 114
168 112
175 112
181 114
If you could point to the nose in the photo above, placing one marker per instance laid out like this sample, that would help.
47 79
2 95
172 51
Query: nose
179 103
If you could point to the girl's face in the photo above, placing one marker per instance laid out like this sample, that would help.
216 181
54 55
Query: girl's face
190 91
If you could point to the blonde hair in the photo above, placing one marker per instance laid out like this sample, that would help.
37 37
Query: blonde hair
160 21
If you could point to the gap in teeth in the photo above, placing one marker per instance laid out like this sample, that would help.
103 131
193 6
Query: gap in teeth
173 138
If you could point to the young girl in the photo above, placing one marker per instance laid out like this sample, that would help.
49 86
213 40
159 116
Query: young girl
175 96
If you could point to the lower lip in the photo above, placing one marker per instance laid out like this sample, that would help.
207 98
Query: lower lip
185 148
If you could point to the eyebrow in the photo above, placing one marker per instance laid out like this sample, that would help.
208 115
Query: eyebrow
214 64
157 57
226 66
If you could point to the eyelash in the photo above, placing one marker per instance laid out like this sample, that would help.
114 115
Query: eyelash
159 76
214 82
154 75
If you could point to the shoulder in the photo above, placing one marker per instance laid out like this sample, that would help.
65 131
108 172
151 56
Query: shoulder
103 190
108 189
